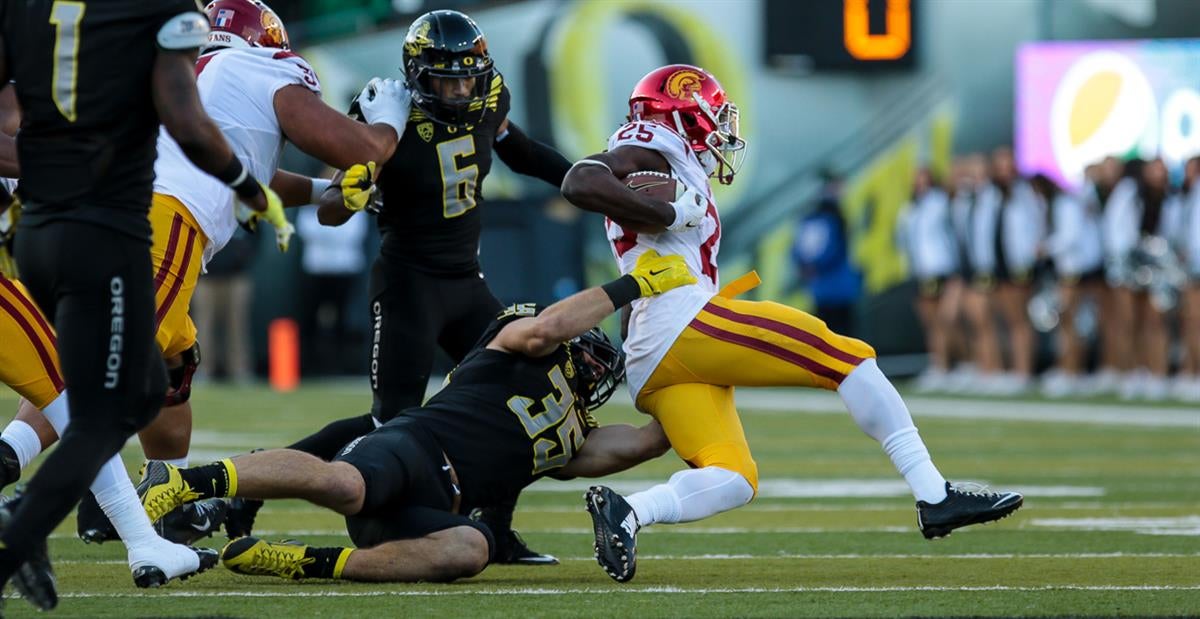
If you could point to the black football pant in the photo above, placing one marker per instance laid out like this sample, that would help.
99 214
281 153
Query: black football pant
95 285
409 493
412 313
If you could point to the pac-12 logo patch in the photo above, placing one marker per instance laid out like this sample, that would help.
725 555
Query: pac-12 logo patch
425 130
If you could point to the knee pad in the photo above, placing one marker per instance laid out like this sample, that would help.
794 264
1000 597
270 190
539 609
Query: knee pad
180 389
731 457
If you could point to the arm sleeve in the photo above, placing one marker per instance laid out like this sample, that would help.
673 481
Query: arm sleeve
530 157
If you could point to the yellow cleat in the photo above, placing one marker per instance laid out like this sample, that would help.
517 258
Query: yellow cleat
162 489
256 557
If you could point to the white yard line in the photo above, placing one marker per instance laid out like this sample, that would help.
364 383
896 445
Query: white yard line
799 488
810 401
789 556
1042 505
292 592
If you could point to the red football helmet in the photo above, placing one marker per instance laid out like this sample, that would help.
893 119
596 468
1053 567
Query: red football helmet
691 101
244 23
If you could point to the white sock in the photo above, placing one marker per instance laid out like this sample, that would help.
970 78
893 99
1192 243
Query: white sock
176 462
911 459
24 440
119 501
880 412
690 495
58 413
112 488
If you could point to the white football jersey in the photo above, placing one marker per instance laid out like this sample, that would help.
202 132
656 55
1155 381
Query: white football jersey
237 88
657 321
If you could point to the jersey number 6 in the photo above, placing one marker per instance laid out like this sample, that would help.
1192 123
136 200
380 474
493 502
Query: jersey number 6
458 184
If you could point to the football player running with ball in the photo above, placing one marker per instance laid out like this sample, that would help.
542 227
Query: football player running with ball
688 348
426 287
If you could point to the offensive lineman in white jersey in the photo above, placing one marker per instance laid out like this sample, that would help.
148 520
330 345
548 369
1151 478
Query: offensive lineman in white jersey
259 93
688 348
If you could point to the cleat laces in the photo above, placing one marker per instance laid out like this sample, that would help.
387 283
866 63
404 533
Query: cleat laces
273 561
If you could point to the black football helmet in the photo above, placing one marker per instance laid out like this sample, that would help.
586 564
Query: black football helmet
599 371
448 45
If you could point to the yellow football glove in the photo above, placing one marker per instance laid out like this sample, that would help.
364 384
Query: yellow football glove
657 274
358 186
248 217
274 214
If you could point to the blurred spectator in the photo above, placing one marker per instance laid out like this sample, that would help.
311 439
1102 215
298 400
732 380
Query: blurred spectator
1188 243
927 236
332 260
1114 360
1140 216
1007 232
973 188
221 310
822 257
1074 251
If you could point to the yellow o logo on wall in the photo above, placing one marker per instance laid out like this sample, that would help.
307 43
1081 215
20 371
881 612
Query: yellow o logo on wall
578 94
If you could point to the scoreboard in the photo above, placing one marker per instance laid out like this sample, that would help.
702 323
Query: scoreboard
840 35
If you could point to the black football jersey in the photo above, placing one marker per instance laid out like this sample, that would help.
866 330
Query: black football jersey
89 126
505 420
432 190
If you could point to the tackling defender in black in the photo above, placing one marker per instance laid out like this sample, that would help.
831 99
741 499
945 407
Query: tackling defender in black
426 288
515 410
93 81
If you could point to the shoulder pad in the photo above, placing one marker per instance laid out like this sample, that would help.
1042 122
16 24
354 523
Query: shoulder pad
184 31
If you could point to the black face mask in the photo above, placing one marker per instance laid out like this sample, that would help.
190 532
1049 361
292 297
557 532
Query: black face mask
452 111
599 367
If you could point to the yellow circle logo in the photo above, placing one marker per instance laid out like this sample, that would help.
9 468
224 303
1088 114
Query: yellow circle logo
1103 106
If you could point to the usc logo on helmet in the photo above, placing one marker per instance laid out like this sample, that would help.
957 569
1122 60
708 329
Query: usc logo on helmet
681 84
272 26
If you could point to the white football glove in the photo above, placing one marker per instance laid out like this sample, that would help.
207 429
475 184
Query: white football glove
690 209
386 101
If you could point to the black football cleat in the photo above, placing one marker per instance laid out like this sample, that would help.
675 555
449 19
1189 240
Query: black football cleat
10 465
34 580
616 529
193 521
512 550
961 508
152 576
92 525
239 519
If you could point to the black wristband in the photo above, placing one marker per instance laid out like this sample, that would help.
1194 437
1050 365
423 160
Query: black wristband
622 291
239 179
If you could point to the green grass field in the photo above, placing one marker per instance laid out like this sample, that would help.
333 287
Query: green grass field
1111 525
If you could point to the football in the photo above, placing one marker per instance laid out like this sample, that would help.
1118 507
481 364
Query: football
657 185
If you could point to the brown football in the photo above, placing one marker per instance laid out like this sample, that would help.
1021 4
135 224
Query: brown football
655 184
